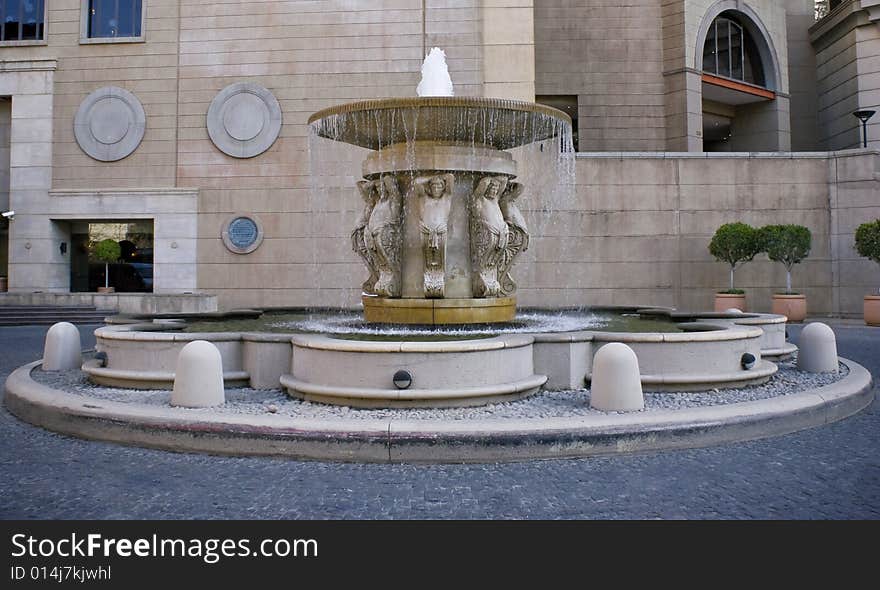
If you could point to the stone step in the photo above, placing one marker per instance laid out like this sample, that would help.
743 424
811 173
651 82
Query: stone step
49 320
23 315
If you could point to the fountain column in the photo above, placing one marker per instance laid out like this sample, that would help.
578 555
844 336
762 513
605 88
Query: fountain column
439 281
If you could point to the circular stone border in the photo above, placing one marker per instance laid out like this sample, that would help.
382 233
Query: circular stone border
120 119
388 440
230 245
244 120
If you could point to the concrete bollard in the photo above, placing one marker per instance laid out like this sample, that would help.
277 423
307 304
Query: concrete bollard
817 349
198 381
63 349
616 384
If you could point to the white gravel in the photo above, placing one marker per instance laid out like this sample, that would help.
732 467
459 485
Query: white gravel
549 404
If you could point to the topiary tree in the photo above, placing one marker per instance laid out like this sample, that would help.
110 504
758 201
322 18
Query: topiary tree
735 244
106 251
868 240
788 244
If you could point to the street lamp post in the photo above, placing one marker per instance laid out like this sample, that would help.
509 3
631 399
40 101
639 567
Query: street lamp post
863 116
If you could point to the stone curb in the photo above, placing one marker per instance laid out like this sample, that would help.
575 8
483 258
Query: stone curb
431 441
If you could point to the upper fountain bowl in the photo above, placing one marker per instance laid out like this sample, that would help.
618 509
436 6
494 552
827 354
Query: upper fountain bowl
493 122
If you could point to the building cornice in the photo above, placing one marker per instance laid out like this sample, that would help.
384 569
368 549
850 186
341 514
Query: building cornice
844 18
28 65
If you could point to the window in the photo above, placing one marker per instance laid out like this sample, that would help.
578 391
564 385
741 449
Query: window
731 52
111 20
23 21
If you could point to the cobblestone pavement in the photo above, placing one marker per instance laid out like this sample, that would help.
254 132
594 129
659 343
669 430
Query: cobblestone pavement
831 472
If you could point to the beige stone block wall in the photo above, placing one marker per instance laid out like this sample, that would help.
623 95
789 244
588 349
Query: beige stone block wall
638 230
609 55
508 47
847 46
837 86
5 133
802 75
868 55
147 69
310 56
854 200
455 27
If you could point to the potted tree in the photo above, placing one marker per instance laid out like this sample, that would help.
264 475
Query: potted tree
106 251
788 244
735 244
868 245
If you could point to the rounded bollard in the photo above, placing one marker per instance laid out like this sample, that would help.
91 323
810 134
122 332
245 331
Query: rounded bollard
63 349
198 381
817 349
616 384
734 310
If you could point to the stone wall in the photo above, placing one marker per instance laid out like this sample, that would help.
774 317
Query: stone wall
847 46
640 228
609 55
855 199
802 75
637 229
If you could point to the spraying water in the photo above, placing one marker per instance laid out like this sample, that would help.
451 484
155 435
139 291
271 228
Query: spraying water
435 75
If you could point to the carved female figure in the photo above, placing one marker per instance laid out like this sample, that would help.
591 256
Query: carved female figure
369 194
383 236
518 235
489 235
434 197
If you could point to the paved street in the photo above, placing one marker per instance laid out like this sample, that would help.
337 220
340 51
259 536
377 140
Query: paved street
831 472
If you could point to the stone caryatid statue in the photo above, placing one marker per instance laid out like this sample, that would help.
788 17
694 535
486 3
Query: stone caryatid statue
434 198
517 235
370 195
489 235
383 236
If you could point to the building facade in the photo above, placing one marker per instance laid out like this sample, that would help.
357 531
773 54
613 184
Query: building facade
179 130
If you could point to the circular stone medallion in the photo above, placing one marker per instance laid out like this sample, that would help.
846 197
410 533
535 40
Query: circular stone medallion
109 124
242 234
244 120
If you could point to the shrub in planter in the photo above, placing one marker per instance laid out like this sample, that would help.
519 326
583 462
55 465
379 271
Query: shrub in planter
868 245
788 244
735 244
106 251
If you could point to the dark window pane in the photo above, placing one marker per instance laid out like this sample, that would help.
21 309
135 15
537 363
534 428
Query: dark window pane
753 67
736 52
115 18
723 47
11 20
709 51
32 18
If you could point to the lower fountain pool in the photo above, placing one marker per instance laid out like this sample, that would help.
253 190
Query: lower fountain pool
334 357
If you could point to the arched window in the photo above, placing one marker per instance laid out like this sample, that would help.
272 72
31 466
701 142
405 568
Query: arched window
730 52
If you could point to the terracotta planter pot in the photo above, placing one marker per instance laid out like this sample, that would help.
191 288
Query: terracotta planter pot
794 307
725 301
872 310
106 289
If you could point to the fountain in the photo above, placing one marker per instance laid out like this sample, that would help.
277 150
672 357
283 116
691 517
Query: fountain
441 227
439 230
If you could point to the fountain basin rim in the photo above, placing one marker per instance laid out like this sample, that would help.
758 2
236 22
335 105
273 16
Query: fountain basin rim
439 101
320 342
147 332
498 123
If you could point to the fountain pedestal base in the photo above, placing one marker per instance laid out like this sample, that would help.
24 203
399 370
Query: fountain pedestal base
438 311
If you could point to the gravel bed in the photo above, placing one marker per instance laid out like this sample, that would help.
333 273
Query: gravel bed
549 404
